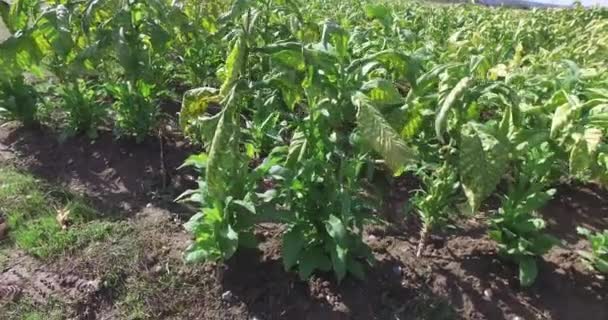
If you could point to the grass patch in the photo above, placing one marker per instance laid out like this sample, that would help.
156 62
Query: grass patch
28 310
30 208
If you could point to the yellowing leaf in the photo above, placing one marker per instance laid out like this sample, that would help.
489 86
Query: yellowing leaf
378 133
195 103
483 160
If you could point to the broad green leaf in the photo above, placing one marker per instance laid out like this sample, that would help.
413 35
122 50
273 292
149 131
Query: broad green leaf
378 133
382 92
483 160
20 13
338 256
297 149
293 243
528 271
313 259
236 10
336 230
377 11
290 58
194 221
451 99
228 240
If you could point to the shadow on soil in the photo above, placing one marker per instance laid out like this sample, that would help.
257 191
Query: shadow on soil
117 176
271 293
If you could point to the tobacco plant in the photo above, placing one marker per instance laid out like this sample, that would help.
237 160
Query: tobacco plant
597 258
435 203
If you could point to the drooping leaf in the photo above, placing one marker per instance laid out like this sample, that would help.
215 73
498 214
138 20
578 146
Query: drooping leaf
313 259
452 98
336 229
378 133
528 271
593 138
223 161
293 243
580 160
195 103
234 65
339 257
483 160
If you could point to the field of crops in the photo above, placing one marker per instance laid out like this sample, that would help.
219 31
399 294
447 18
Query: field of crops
325 160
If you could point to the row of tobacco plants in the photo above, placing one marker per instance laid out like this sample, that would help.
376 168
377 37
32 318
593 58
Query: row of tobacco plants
301 107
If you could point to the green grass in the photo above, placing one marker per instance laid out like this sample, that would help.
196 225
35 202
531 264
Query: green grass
30 208
28 310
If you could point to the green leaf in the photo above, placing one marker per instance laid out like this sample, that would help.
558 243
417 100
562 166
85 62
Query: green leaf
336 230
601 265
442 115
355 268
19 14
377 11
234 65
313 259
290 58
236 10
528 271
228 241
194 222
382 92
293 243
378 133
483 160
198 161
338 256
197 255
224 163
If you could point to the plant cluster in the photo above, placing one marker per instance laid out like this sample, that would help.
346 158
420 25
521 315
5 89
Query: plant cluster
108 62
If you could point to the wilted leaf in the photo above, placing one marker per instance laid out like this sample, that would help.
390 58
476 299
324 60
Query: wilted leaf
451 99
483 160
378 133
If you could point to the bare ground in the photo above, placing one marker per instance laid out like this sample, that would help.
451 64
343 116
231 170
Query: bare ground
140 274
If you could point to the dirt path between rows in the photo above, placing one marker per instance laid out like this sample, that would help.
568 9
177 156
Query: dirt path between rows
459 277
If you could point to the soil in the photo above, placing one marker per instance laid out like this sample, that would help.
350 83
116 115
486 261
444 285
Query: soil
120 177
460 275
